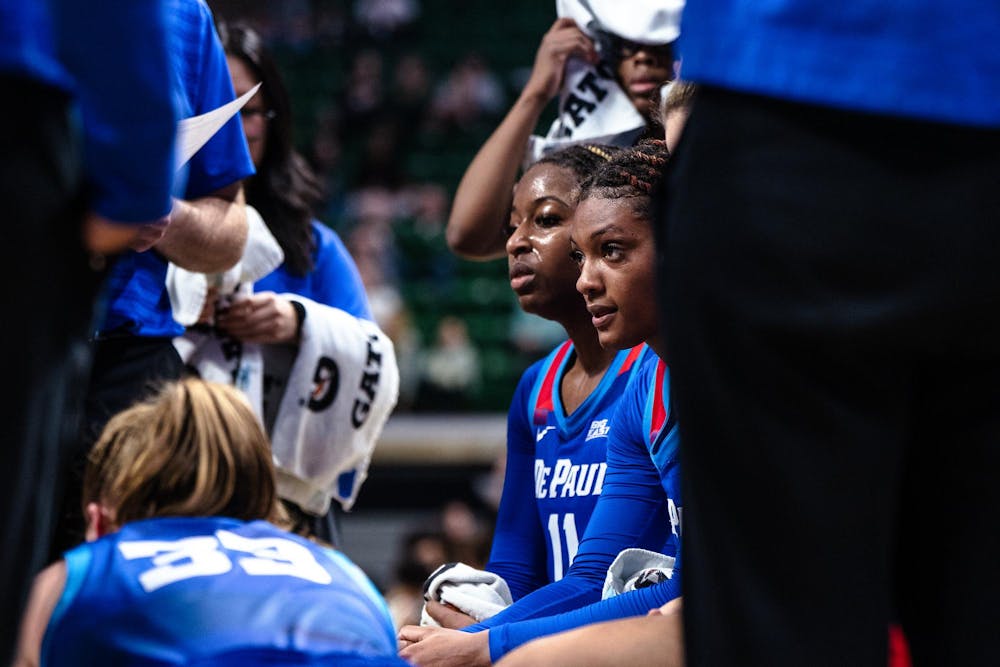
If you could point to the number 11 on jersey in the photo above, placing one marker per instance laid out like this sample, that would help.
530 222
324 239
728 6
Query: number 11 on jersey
562 537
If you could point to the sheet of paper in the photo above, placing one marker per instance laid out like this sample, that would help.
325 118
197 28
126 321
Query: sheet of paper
194 132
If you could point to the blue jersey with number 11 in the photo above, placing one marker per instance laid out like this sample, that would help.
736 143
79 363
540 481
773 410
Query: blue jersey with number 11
555 469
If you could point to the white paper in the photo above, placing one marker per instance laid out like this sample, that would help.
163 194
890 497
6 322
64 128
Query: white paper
194 132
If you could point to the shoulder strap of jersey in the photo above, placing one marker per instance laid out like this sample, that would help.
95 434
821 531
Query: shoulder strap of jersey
658 413
540 403
633 359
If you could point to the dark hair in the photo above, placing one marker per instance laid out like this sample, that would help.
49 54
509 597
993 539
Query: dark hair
581 159
635 172
284 190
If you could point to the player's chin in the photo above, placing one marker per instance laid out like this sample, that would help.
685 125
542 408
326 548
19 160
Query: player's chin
615 338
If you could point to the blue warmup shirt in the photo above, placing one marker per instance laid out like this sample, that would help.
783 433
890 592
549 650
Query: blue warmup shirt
639 506
217 591
555 469
334 280
923 59
127 120
136 294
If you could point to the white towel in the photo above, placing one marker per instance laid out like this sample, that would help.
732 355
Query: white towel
636 568
188 289
342 387
643 21
592 106
478 593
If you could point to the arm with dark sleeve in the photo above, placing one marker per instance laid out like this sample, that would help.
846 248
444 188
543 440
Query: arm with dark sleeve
631 512
116 51
518 553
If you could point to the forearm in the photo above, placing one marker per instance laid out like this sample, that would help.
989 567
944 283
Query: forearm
633 641
482 200
207 234
638 602
569 593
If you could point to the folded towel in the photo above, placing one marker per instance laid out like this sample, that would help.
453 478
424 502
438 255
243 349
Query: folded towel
188 289
478 593
636 568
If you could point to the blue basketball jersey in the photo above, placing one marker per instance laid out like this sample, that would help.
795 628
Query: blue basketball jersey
218 591
640 506
555 469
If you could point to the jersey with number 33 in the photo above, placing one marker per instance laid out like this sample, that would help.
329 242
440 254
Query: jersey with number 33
555 469
214 591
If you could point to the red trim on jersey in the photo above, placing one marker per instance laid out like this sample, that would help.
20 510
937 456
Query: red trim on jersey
544 405
899 650
630 359
659 416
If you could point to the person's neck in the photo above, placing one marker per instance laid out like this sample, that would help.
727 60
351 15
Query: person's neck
592 358
657 345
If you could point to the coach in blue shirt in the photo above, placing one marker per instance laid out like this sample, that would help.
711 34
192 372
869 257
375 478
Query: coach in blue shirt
832 301
86 133
206 232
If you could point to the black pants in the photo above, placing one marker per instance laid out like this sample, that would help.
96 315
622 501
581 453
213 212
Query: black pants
125 369
832 303
49 295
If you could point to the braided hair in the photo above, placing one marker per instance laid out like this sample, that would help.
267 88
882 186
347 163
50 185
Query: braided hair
580 159
633 173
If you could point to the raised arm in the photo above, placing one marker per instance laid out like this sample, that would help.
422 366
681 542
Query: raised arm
482 201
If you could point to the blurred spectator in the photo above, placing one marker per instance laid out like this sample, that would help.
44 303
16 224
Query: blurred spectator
293 23
489 487
397 323
330 24
467 534
364 92
412 86
450 370
470 93
325 157
380 164
423 551
384 19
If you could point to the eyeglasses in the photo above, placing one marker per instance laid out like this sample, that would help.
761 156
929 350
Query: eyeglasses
266 114
626 49
614 47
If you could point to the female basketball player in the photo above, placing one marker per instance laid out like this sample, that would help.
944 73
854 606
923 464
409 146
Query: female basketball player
181 565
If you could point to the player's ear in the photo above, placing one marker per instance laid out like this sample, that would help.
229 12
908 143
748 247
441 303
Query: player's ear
98 521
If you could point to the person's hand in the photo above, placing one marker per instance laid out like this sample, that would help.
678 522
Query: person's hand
107 237
207 315
149 234
448 616
441 647
259 318
564 39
